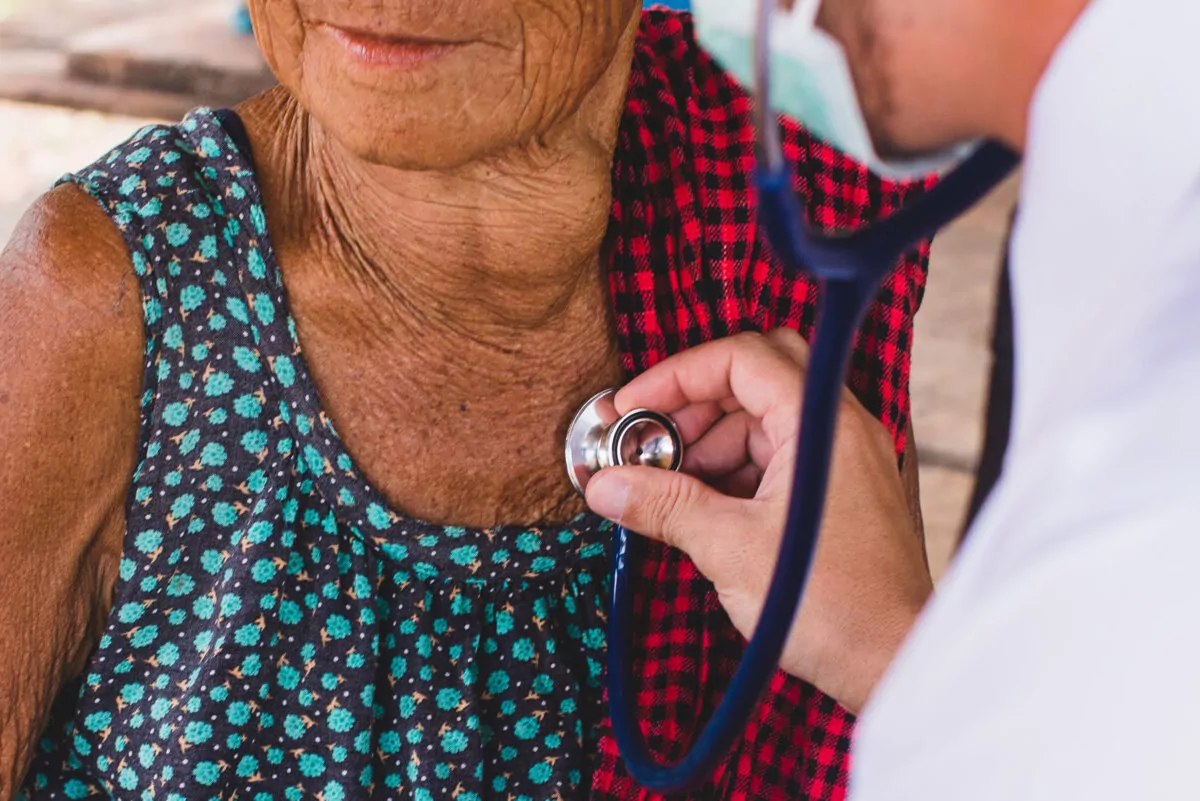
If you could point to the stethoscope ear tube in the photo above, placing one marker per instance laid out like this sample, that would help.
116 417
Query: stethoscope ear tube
850 269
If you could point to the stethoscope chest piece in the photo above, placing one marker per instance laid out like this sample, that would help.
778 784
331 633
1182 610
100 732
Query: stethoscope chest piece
598 437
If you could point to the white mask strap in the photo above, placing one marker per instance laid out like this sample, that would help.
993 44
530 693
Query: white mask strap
805 11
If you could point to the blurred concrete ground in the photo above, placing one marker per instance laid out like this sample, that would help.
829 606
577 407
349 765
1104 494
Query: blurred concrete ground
40 143
952 363
138 60
140 57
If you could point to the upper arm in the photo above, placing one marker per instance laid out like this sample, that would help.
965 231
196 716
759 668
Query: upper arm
910 474
910 471
70 376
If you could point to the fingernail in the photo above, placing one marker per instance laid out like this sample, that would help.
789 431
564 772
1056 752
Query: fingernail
608 495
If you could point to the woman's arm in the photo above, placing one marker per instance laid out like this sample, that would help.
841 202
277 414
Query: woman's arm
70 376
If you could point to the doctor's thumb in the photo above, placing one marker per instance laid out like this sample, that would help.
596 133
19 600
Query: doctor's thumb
671 507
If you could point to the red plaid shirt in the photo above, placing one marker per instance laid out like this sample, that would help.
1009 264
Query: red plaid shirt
688 264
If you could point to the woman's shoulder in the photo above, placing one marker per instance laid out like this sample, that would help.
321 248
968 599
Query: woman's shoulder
65 252
90 265
67 260
174 194
72 340
163 168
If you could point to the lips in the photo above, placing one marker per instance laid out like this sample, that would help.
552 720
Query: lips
384 50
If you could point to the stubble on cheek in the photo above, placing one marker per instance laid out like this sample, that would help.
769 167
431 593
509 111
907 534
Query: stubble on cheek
859 26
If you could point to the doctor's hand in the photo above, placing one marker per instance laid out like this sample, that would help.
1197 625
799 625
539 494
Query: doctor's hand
737 404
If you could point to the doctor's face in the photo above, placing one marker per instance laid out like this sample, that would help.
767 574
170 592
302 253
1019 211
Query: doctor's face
913 63
436 83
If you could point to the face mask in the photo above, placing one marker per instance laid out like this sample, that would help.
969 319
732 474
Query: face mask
810 80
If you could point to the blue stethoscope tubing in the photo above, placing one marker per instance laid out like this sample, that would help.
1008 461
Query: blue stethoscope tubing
850 268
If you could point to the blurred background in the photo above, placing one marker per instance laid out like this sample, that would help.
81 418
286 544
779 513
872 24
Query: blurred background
78 76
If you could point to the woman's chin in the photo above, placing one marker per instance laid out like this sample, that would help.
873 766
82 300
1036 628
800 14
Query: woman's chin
372 132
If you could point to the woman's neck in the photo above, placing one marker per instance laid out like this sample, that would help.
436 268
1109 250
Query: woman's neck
490 247
436 304
501 244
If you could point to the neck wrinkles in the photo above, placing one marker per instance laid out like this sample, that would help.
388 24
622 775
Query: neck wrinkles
504 244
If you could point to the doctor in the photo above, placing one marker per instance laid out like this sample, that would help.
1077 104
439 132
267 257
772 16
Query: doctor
1060 659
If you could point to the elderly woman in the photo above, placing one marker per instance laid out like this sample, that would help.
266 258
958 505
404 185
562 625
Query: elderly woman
296 524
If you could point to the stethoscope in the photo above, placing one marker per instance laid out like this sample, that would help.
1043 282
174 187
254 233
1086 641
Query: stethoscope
850 268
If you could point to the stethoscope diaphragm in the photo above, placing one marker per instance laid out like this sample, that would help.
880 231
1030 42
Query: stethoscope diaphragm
599 437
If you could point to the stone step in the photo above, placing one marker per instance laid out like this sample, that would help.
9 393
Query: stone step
190 52
40 76
87 96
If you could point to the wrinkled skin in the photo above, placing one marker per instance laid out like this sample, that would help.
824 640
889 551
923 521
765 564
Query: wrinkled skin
452 279
520 71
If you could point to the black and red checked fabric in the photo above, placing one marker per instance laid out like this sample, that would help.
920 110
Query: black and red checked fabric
688 264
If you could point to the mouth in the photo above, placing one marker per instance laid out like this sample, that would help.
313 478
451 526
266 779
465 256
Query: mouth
380 50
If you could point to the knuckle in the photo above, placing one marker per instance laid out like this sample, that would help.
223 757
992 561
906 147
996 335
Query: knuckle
748 336
790 342
784 335
673 510
752 340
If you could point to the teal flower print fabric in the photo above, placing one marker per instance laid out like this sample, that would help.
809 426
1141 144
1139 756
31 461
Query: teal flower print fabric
279 632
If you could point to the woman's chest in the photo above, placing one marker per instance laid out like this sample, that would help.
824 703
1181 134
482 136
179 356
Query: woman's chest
453 429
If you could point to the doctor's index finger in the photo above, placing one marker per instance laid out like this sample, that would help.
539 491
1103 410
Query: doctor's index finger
749 368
